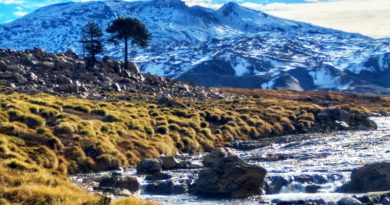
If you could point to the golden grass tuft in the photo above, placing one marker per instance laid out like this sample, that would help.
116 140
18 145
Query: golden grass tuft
131 201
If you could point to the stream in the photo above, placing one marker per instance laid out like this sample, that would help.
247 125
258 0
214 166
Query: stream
300 167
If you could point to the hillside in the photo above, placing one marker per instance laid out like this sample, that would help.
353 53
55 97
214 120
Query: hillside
229 47
66 74
49 136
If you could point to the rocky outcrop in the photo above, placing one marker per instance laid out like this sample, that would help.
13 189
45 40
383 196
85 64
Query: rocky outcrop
37 71
227 175
369 178
343 119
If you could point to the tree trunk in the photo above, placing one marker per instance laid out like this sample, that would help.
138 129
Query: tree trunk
91 54
126 53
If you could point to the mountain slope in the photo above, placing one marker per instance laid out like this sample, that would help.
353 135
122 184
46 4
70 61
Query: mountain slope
232 46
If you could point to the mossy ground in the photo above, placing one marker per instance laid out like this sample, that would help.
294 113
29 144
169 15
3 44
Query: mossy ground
43 138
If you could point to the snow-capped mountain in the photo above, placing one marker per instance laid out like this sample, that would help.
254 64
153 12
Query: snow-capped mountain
232 46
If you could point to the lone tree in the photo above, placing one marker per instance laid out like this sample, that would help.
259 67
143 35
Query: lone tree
92 40
128 29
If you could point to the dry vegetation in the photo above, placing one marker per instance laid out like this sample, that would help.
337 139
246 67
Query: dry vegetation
43 138
371 103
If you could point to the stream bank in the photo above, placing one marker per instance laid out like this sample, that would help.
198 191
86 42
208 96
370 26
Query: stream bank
306 167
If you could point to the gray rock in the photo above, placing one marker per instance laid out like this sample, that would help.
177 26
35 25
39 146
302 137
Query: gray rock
62 80
166 188
123 182
349 201
226 175
218 154
369 178
169 162
385 201
149 166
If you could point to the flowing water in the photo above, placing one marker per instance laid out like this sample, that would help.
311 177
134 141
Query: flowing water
300 167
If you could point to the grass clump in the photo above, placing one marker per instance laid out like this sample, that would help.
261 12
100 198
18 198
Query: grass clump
131 201
30 120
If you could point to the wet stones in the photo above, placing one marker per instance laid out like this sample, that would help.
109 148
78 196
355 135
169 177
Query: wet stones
152 169
166 188
276 183
227 175
299 202
149 166
159 182
158 176
349 201
123 182
154 166
312 188
169 162
369 178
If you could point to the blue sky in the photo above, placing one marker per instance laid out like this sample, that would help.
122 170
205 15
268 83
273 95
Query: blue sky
369 17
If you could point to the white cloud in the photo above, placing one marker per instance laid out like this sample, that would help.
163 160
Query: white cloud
11 1
20 13
369 17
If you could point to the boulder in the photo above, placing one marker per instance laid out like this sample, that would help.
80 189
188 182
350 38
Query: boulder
369 178
349 201
63 80
165 188
149 166
122 182
20 79
226 175
169 162
219 154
